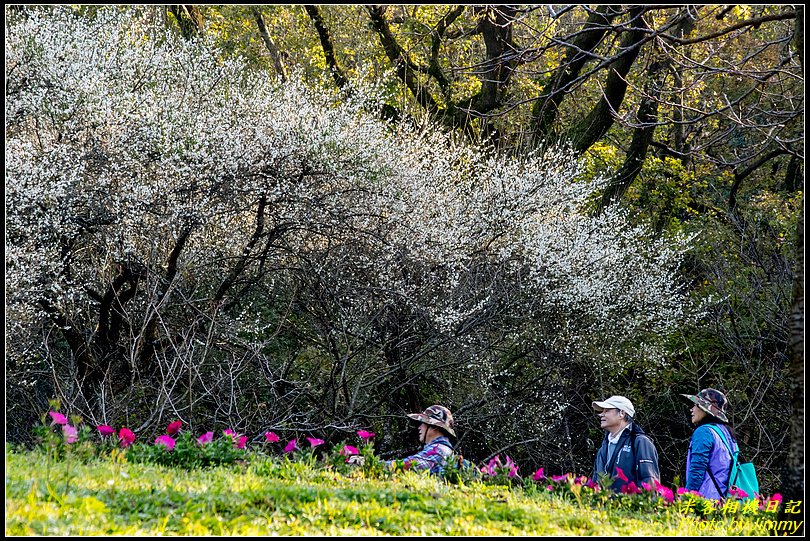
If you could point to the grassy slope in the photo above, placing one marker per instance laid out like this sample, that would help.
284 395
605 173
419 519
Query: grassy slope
107 498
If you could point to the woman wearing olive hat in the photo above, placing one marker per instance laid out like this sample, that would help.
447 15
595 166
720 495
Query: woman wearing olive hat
435 429
708 462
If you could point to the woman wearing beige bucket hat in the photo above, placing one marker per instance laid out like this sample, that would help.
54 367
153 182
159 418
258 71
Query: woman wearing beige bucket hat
708 461
435 428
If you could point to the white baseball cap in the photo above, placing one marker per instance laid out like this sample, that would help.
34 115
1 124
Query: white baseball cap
619 402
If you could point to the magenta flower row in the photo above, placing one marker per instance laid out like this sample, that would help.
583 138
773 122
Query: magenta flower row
496 466
490 469
126 437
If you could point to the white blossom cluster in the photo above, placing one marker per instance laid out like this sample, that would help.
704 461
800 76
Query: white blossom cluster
527 217
121 140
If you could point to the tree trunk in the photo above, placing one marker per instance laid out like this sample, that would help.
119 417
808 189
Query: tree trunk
642 136
189 19
544 111
601 118
278 60
496 30
793 471
326 44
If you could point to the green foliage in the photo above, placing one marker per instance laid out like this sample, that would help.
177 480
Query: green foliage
458 470
740 268
337 459
189 453
58 437
138 488
373 466
275 495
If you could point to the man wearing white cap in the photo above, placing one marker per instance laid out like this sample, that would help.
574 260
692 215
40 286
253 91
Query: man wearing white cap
627 454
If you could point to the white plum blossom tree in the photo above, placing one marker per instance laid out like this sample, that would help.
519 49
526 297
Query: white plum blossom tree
186 236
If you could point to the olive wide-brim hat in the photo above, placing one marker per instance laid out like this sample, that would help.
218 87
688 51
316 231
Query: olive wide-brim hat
436 416
711 401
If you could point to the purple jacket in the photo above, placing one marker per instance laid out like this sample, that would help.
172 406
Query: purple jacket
707 451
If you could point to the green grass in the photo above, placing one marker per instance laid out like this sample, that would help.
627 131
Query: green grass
275 497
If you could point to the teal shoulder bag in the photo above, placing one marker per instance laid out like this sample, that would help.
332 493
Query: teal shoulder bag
742 476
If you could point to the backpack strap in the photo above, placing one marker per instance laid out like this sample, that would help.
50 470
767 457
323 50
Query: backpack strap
717 486
731 453
633 435
733 456
723 439
446 444
633 445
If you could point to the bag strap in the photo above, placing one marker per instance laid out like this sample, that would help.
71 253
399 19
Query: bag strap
610 463
716 486
610 460
719 432
633 449
446 444
734 461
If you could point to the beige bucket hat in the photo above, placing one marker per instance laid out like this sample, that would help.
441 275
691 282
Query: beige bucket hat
436 416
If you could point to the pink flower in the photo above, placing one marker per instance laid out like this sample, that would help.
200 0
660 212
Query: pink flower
291 446
513 468
549 488
631 488
493 463
58 418
238 440
105 430
205 438
314 442
166 441
664 491
365 435
682 490
270 437
174 427
737 492
621 474
348 450
71 434
539 474
558 478
590 483
776 497
126 436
